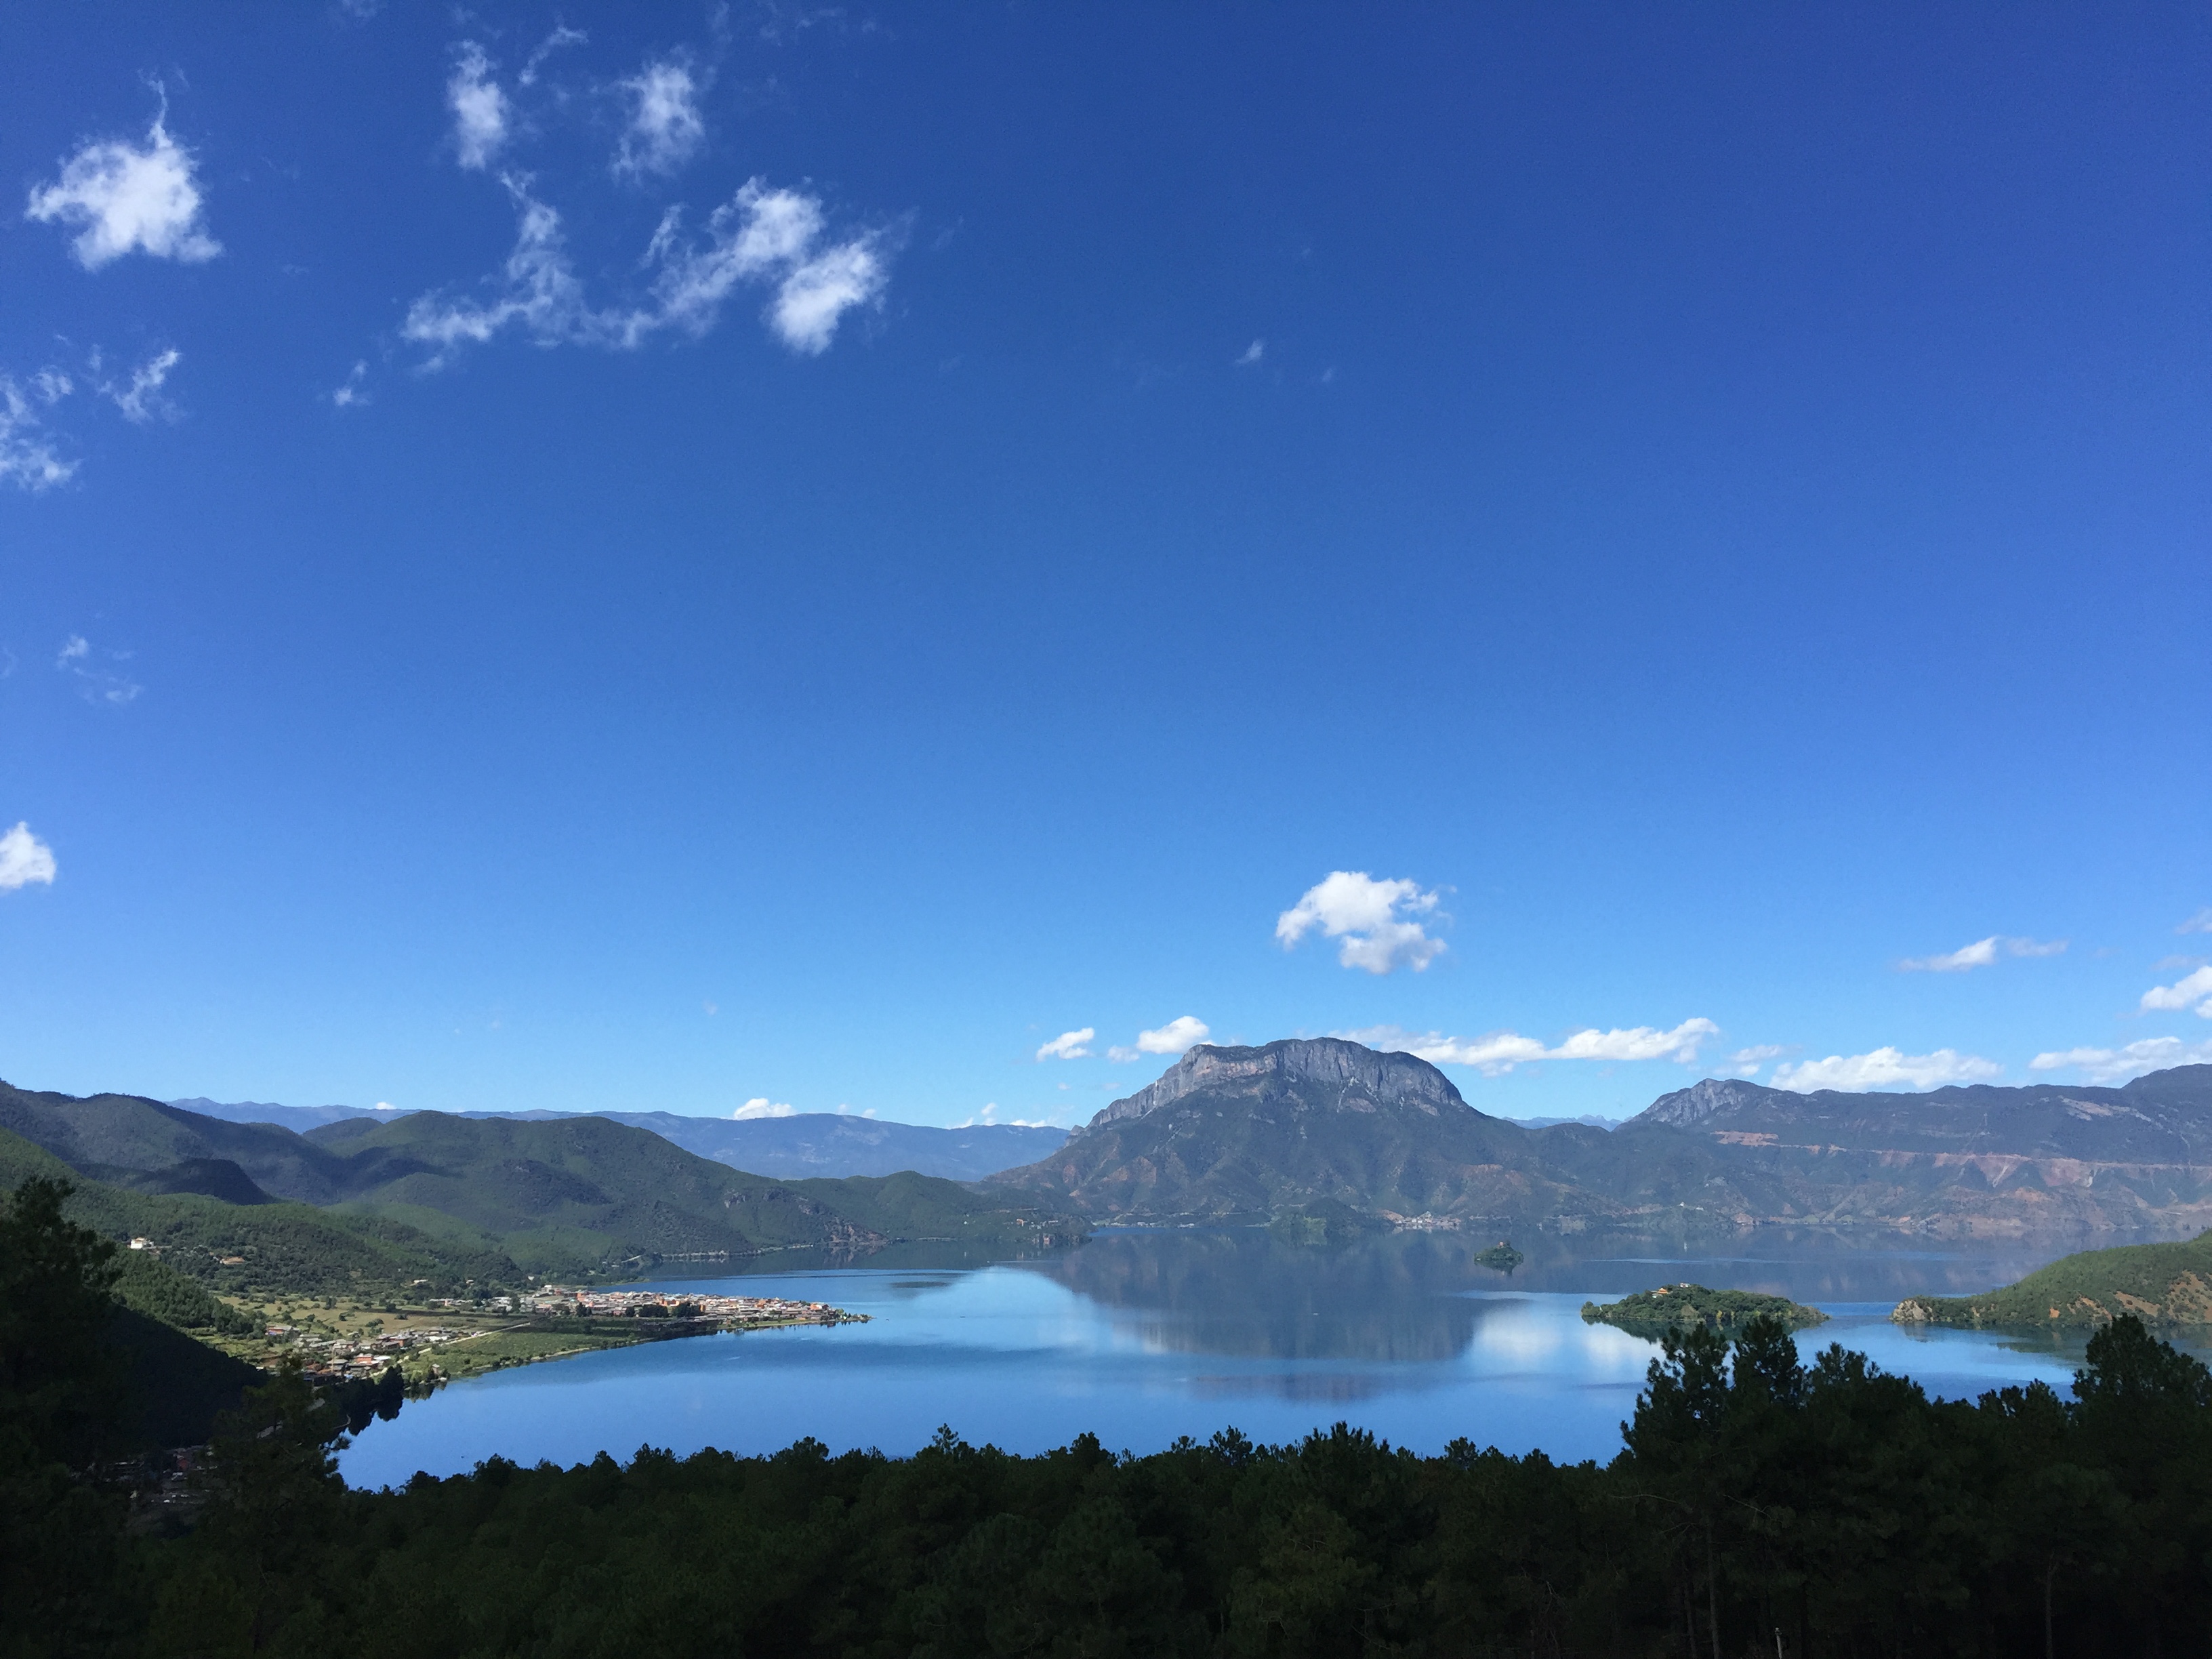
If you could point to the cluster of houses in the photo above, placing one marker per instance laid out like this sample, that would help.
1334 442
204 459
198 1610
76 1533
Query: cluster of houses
360 1356
738 1311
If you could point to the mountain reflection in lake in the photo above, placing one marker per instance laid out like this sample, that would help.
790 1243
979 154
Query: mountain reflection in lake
1142 1336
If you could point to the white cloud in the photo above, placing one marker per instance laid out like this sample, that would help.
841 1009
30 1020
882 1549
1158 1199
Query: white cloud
24 859
28 459
2192 991
760 235
129 198
1252 354
1174 1037
1121 1055
562 36
2199 923
354 389
1501 1051
99 686
482 113
761 1106
1372 918
1981 953
2118 1065
140 400
664 124
1068 1045
1746 1062
1886 1068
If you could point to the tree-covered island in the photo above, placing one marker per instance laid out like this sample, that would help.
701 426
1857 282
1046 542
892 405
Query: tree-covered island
1678 1307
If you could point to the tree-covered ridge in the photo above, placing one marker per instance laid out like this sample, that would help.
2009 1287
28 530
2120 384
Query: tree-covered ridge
1677 1307
565 1197
2158 1284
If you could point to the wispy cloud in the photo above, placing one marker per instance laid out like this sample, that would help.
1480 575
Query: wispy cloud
101 686
140 396
1252 354
761 1106
1501 1051
129 199
1886 1069
24 860
760 236
1373 919
1746 1062
354 389
1068 1045
2190 991
28 459
562 36
2199 923
665 128
482 116
2118 1065
1981 954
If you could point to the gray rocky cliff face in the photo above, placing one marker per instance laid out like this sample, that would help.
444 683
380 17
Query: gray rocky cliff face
1351 1066
1693 1105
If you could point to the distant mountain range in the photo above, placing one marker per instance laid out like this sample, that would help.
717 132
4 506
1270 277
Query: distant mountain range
825 1144
1231 1133
565 1196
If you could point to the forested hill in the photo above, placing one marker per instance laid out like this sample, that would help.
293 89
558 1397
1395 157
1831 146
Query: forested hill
1236 1131
2161 1285
565 1197
813 1145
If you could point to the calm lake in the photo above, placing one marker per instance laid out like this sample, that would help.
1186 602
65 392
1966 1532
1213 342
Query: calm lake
1141 1337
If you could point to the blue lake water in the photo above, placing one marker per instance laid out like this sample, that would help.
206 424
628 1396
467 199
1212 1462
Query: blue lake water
1143 1336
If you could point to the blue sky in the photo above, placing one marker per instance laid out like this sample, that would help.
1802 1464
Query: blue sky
668 558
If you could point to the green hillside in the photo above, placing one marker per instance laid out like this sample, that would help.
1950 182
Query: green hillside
2159 1284
573 1194
268 1250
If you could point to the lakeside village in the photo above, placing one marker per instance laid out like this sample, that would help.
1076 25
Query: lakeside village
430 1347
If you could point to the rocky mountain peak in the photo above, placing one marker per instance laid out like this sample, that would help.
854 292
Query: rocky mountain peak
1382 1077
1693 1105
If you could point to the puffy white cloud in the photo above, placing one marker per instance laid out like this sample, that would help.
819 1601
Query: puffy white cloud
2190 991
665 124
1068 1045
761 1106
1501 1051
2199 923
482 117
140 399
129 199
2118 1065
1172 1038
759 236
766 236
24 859
1886 1068
1981 954
28 459
1373 919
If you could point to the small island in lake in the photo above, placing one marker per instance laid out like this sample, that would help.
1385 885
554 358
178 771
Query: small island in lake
1501 1257
1672 1307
